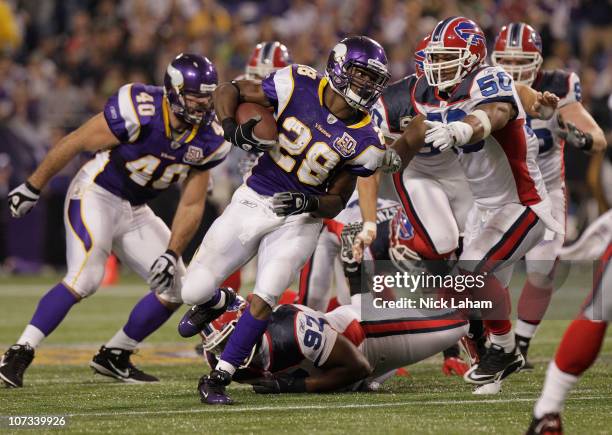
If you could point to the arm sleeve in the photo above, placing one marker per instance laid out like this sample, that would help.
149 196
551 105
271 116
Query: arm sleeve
278 88
574 91
494 85
368 160
125 115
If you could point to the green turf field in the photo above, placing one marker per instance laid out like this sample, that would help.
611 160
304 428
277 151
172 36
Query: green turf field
60 383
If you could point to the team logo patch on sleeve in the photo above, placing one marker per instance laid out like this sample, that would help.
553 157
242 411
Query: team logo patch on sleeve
193 155
345 145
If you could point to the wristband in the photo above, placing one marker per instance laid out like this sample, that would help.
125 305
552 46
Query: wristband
37 191
484 120
171 252
369 226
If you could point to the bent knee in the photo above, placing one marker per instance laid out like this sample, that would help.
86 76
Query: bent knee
198 286
85 282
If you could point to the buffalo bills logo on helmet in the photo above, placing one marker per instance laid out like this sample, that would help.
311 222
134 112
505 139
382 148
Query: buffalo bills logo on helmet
406 232
419 57
469 33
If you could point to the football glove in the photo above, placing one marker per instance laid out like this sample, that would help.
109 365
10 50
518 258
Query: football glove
161 274
22 199
281 383
347 239
575 137
243 136
391 161
443 136
290 203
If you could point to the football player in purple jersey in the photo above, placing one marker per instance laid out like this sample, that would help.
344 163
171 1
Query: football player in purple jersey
326 140
147 138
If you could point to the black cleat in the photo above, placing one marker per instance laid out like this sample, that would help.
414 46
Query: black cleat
495 365
115 363
14 363
212 388
523 345
198 316
550 424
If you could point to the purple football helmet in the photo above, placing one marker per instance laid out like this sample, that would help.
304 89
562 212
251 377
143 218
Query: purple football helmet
357 69
196 76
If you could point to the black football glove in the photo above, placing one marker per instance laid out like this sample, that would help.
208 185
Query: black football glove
161 274
576 137
243 136
282 383
22 199
347 239
290 203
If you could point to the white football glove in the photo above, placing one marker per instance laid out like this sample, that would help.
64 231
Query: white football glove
161 274
365 238
22 199
391 161
443 136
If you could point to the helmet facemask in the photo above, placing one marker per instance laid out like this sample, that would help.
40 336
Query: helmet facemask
360 85
523 66
216 334
445 74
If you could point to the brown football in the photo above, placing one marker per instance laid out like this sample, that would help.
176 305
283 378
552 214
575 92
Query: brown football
266 128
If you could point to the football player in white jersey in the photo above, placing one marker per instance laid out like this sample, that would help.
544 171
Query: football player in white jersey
433 189
518 49
474 110
584 337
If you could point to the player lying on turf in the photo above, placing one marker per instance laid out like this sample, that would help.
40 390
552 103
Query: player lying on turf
303 350
147 138
518 49
325 141
583 338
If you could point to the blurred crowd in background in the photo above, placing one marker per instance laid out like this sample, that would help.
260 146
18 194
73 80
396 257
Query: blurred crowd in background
61 59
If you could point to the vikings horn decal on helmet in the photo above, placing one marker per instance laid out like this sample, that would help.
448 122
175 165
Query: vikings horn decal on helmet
195 75
518 50
456 47
419 55
266 58
357 69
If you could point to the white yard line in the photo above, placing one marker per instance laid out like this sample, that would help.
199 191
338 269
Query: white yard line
217 409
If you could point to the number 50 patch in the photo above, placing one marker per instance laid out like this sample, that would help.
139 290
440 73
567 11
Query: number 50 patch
491 84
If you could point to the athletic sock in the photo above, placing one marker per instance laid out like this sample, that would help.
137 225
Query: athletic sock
556 387
146 317
525 329
248 331
532 304
121 341
51 310
504 340
217 301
